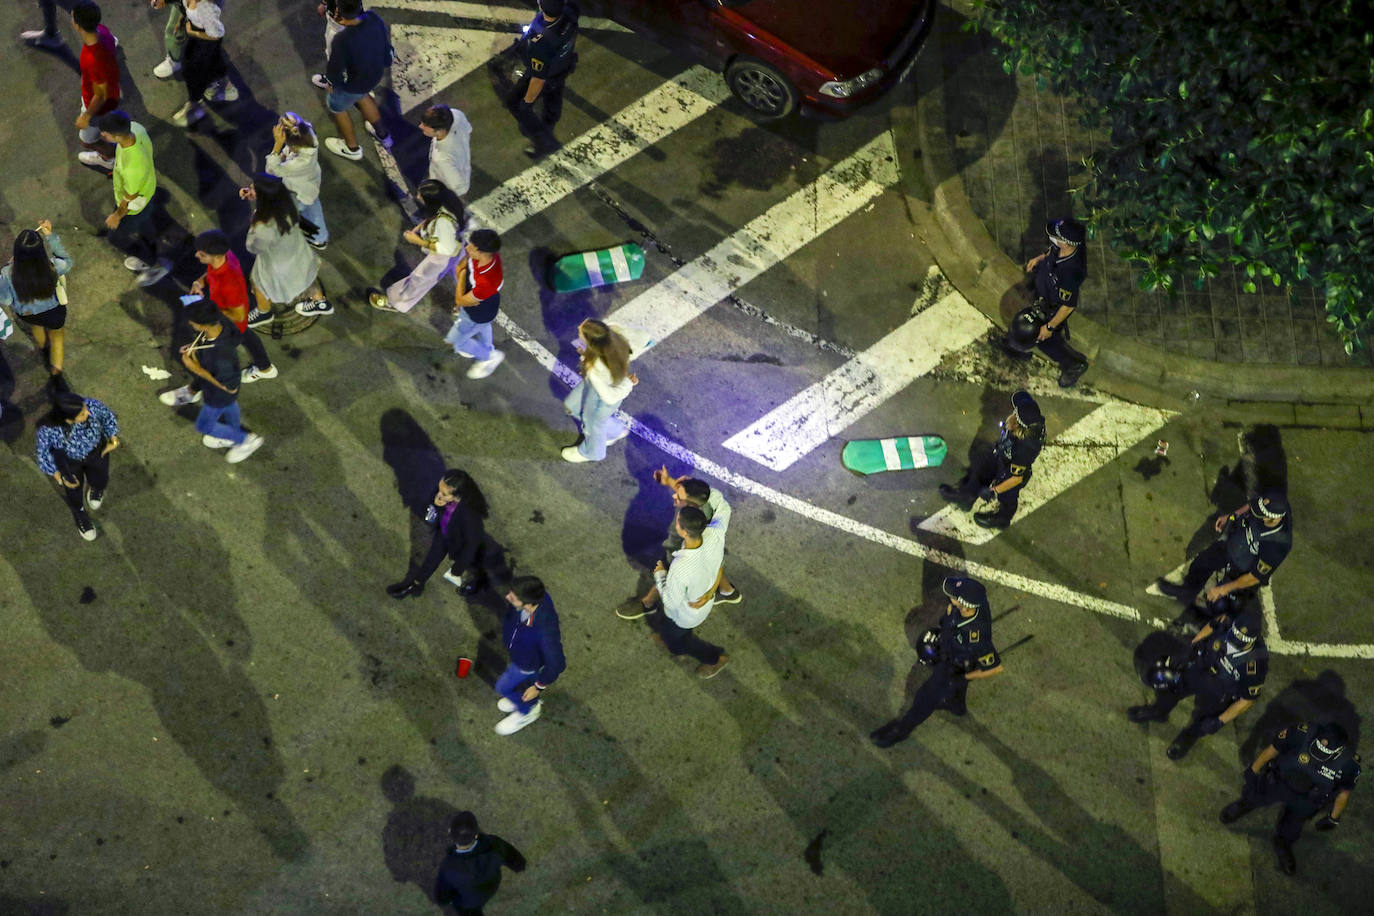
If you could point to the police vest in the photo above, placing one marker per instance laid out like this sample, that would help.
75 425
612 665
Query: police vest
1308 775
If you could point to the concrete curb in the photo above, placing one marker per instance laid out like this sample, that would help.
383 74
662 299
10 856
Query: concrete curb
979 269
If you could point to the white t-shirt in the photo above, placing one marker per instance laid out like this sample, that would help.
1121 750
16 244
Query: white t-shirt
205 17
450 159
443 231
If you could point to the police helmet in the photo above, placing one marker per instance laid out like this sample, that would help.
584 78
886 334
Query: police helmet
1066 231
1245 629
1271 506
928 649
1025 329
1162 675
1026 409
1329 741
964 591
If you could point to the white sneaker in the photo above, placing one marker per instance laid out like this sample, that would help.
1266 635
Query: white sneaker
485 367
248 446
456 580
253 373
339 148
505 705
188 114
612 440
167 69
95 160
210 441
319 81
136 264
180 397
153 274
573 455
88 533
514 722
221 91
95 499
37 38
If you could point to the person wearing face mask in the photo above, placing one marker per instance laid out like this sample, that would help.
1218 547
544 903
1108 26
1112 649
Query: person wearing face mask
1225 672
532 637
1308 767
457 514
1001 472
959 649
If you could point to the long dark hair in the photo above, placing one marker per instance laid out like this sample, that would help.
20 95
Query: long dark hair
466 488
275 204
65 406
434 196
31 272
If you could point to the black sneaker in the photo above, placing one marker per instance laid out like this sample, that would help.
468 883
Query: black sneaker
1181 746
1144 714
887 735
83 524
1234 812
314 307
734 597
991 520
94 498
257 319
1283 856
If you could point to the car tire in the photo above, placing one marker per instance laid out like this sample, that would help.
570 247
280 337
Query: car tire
764 89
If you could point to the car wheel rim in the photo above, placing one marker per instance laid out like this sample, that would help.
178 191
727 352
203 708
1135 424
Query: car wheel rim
761 91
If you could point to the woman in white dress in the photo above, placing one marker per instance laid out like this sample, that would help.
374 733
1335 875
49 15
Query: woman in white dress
287 268
439 236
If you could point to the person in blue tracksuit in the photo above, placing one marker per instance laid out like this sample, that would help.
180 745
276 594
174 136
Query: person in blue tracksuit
530 632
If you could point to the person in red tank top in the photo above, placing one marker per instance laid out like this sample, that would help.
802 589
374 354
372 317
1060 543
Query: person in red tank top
99 82
224 285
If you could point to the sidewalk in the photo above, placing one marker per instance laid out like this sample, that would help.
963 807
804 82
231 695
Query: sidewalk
1002 156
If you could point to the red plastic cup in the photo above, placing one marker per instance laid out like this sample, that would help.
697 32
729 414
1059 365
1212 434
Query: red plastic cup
464 666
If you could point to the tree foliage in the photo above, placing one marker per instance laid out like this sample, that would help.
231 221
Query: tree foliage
1229 121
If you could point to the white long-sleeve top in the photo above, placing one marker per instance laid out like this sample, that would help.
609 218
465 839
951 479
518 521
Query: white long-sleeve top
205 16
599 376
450 159
299 169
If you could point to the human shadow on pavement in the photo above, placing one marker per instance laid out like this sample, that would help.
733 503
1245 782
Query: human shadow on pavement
650 512
670 867
415 838
178 635
1100 858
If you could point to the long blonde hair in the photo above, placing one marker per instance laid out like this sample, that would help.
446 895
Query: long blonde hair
606 345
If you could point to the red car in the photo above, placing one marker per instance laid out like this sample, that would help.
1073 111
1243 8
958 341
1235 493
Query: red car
826 57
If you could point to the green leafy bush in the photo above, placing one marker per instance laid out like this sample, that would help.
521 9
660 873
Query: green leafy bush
1240 133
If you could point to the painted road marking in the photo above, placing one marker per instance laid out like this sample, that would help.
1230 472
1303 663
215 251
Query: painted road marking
797 427
481 12
764 242
641 124
1085 447
429 58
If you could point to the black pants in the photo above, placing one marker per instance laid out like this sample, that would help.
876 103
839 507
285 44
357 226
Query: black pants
537 128
682 641
201 64
984 471
136 234
1206 705
1298 809
944 689
440 550
1056 347
94 470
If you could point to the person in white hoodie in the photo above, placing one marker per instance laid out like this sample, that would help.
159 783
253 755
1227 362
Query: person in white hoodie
450 152
606 382
295 160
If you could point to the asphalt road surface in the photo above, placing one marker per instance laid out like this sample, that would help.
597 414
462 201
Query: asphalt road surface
215 708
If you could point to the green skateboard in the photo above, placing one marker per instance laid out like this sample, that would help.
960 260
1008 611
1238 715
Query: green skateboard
902 453
597 268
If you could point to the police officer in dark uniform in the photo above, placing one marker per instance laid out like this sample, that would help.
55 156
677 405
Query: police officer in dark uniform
548 50
959 650
1253 542
1306 768
1056 277
1225 672
1002 471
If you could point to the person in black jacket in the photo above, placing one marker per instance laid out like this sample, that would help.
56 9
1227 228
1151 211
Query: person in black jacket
530 632
457 513
471 872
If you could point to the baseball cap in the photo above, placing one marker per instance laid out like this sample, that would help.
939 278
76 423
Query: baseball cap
1245 629
1066 230
965 591
551 8
1272 505
1026 408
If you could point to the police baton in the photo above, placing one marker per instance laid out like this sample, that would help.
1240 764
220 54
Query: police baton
1011 610
1020 642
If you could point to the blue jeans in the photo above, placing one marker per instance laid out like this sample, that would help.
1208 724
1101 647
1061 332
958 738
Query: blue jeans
338 101
511 685
476 336
221 422
596 417
315 213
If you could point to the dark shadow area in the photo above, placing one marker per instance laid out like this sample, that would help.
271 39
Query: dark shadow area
755 159
650 510
414 459
33 906
415 838
927 614
1319 699
1051 200
988 94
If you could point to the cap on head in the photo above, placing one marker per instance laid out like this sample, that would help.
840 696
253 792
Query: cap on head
551 8
1272 506
1329 740
1026 409
1245 629
464 828
1066 231
965 591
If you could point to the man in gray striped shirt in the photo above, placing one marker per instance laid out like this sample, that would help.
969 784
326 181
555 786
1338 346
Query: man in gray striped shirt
694 572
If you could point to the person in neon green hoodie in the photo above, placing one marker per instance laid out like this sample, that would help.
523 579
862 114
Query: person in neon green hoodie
131 225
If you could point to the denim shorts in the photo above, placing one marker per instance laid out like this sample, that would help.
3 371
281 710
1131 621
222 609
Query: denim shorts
340 101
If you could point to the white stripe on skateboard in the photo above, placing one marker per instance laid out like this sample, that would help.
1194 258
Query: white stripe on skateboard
796 427
890 456
765 241
593 265
622 266
639 125
919 458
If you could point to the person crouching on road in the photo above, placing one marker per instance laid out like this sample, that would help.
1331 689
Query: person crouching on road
457 514
530 632
74 445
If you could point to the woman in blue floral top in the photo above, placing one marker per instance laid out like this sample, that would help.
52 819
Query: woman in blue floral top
74 445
